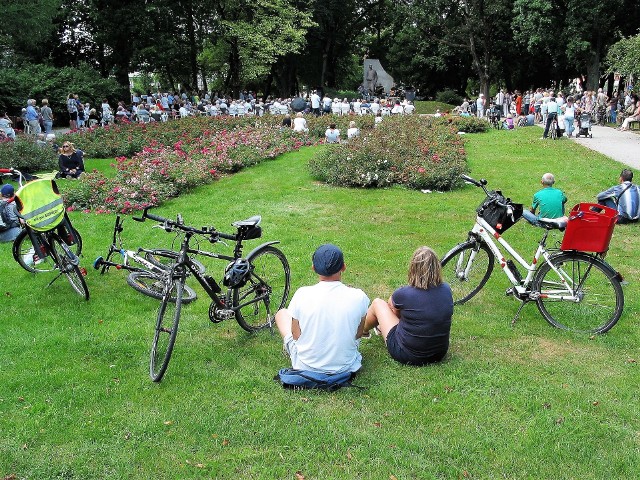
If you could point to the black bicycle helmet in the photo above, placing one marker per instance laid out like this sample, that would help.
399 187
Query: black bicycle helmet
236 273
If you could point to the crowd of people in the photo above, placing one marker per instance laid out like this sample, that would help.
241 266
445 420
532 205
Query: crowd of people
544 106
165 106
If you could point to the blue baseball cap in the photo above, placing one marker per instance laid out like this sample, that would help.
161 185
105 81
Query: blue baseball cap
327 260
7 190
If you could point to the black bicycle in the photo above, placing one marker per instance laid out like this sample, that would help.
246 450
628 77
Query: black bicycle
257 285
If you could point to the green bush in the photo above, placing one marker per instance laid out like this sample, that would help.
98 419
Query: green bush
44 81
470 124
25 155
418 152
449 96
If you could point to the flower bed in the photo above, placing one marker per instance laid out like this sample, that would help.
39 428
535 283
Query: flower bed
156 161
159 172
418 152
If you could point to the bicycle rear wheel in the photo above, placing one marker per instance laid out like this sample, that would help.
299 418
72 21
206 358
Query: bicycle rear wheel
68 266
554 131
152 285
598 299
466 268
25 253
166 327
265 292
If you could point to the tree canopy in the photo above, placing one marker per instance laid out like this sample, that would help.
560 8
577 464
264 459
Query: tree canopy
279 46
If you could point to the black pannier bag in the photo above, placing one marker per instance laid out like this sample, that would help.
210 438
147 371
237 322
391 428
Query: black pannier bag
495 212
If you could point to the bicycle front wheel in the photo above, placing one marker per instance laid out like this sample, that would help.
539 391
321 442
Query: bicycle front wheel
466 269
166 327
265 292
152 285
69 266
586 295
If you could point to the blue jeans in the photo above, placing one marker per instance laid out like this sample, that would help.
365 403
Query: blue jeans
550 118
568 125
532 218
48 126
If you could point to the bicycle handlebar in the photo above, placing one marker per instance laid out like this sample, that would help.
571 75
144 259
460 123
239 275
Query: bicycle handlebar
169 225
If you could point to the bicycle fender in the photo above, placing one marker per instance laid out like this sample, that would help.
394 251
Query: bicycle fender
260 247
469 242
613 272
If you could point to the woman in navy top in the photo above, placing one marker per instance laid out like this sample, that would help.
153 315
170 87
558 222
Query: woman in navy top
416 321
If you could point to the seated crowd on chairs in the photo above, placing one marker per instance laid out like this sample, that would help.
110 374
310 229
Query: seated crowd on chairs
167 106
163 107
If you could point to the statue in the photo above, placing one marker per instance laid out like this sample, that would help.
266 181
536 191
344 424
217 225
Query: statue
371 79
375 81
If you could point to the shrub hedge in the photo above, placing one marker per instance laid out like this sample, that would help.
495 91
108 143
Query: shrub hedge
25 155
419 152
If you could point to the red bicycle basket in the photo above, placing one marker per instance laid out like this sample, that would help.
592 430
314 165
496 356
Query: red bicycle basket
589 228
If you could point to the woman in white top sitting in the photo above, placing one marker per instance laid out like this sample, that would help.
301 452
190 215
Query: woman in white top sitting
332 135
300 123
353 131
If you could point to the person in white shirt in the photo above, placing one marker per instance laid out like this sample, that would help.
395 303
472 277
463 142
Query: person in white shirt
332 134
315 103
322 326
552 114
409 108
353 131
375 106
299 123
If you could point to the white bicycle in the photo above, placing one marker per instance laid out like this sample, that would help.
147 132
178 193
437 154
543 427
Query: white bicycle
574 290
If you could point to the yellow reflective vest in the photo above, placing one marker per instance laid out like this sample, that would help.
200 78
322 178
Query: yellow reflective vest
40 205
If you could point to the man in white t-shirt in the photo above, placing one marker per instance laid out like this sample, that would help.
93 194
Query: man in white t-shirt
323 324
315 103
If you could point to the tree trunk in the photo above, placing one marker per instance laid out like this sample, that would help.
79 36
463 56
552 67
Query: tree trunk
193 49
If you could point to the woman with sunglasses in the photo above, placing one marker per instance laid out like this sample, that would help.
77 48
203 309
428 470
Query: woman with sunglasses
70 161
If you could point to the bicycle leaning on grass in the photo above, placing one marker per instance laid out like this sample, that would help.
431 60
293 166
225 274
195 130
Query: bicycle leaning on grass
44 244
573 290
147 268
257 285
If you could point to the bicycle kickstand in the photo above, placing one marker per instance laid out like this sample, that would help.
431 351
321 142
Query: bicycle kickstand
515 319
57 277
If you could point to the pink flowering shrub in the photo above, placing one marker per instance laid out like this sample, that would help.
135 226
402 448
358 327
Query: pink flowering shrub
413 151
161 170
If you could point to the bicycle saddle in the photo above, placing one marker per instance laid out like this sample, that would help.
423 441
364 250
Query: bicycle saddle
249 222
554 223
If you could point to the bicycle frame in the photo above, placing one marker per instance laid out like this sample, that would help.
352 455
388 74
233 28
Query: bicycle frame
208 283
566 290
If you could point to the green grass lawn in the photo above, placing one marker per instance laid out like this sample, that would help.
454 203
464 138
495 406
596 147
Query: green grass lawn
517 402
431 107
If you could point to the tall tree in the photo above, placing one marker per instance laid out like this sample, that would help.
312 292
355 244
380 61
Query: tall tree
27 31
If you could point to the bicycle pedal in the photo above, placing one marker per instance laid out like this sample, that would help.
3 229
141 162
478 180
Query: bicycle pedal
509 292
217 315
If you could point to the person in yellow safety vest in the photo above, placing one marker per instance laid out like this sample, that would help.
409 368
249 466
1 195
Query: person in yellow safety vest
40 205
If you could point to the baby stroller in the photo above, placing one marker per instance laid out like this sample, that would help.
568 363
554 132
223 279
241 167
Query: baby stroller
584 125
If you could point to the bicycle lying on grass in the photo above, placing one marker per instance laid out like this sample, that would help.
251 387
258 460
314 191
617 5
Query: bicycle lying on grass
153 266
574 290
44 243
257 285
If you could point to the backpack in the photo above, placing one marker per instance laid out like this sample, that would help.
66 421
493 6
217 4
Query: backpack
303 379
5 223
